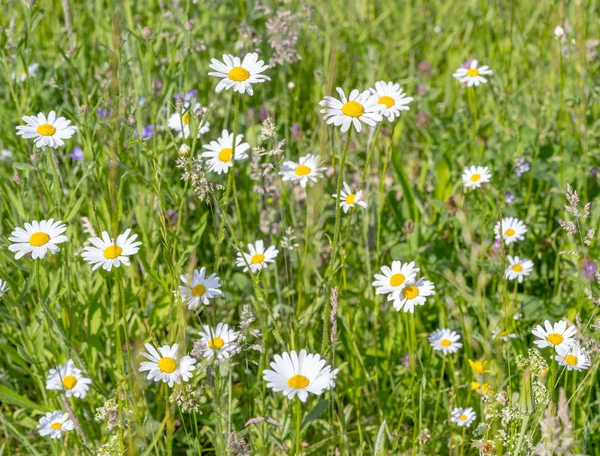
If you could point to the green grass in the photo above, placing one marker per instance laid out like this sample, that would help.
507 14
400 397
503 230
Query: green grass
541 103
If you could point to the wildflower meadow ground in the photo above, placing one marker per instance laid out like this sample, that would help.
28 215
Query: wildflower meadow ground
299 227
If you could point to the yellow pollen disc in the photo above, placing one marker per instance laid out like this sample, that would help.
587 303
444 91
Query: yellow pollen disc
503 333
463 418
238 74
38 239
517 268
350 199
46 130
216 343
385 100
475 177
473 72
112 252
445 343
298 382
302 170
397 280
410 292
258 258
571 360
167 365
353 109
225 155
510 232
555 338
185 118
199 290
69 382
56 425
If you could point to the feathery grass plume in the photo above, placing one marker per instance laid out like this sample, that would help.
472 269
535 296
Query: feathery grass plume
556 430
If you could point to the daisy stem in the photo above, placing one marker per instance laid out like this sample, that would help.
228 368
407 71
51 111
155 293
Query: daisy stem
58 183
233 143
298 425
440 385
369 156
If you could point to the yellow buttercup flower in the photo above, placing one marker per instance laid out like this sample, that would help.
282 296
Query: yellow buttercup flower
478 367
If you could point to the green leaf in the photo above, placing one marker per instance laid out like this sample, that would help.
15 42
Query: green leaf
316 411
8 396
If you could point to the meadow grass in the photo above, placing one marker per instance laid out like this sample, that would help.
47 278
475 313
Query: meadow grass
113 67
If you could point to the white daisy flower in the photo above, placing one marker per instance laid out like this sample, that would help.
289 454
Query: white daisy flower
166 365
392 98
573 357
350 199
107 252
200 289
306 169
513 230
463 416
518 268
48 132
69 378
180 121
411 295
258 258
503 335
557 335
358 107
220 152
219 341
3 288
472 76
28 73
239 75
37 238
474 176
445 341
298 375
54 424
394 279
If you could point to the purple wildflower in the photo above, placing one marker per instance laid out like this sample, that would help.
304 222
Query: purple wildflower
77 154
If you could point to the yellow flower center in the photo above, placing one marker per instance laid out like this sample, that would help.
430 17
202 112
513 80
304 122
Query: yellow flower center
46 130
216 343
302 170
38 239
555 338
510 232
167 365
298 382
397 280
225 154
113 251
473 72
258 258
571 360
475 177
517 268
199 290
353 109
445 343
385 100
56 425
238 74
185 118
410 292
69 382
463 417
350 199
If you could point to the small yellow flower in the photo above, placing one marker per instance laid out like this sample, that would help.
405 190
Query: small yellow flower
479 367
482 388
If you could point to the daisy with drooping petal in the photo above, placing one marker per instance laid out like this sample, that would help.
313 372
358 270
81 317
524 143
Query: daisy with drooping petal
473 76
166 365
573 357
463 416
394 279
445 341
513 230
413 294
220 152
350 199
28 73
54 424
200 288
299 374
474 176
3 288
357 108
48 132
37 238
557 335
69 378
258 258
219 341
306 169
180 121
391 98
107 252
518 268
239 75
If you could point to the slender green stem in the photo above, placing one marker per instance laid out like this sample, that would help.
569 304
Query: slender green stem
298 426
